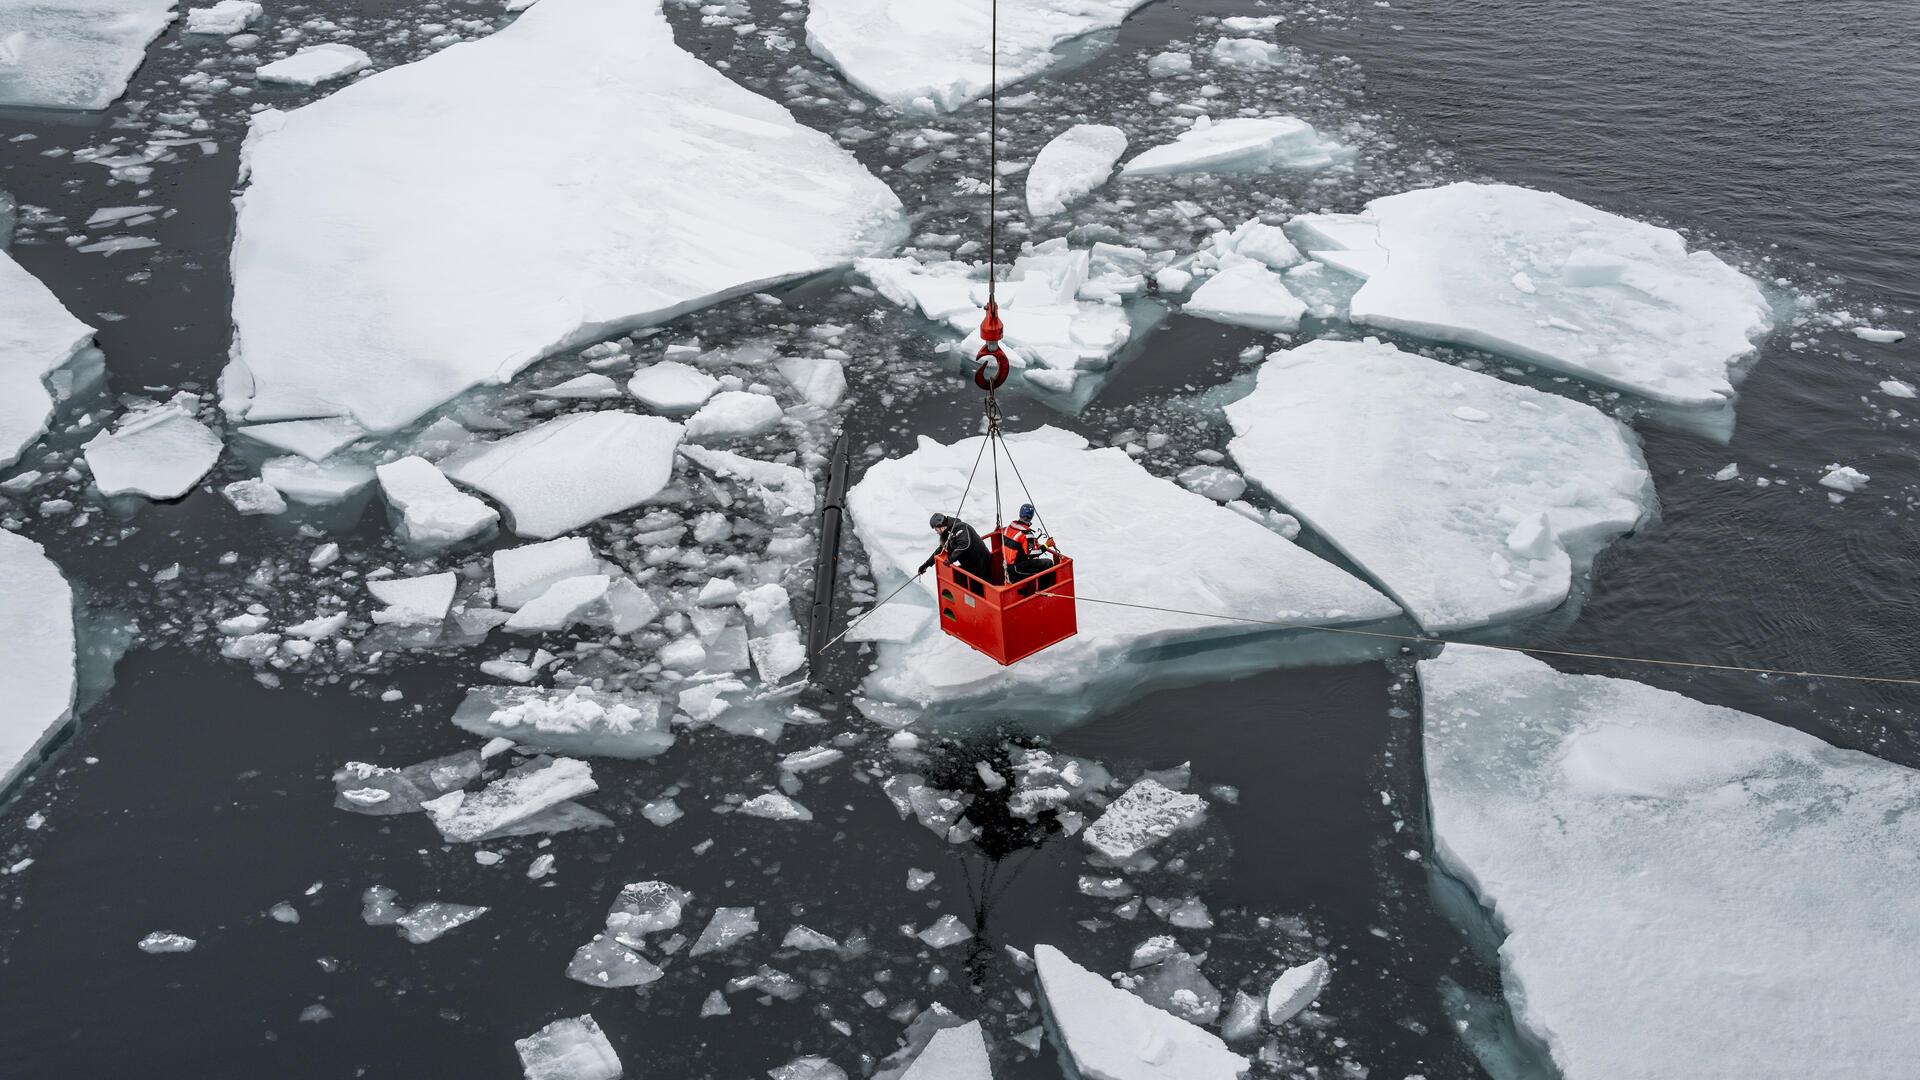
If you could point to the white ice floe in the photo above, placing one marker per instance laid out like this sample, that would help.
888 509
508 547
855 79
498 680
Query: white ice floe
524 793
1146 814
414 601
571 1049
254 496
433 513
1736 894
775 807
727 928
522 573
1896 388
592 386
1470 500
315 440
160 453
37 337
166 941
1844 478
1113 1035
1238 144
935 57
955 1053
1093 501
1543 278
434 918
223 18
1073 163
574 721
36 638
75 54
571 470
672 387
1879 336
733 414
1247 294
821 380
314 65
315 483
1248 53
363 288
1295 989
564 603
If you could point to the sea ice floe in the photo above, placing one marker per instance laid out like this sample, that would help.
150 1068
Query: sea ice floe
1844 478
928 58
520 574
774 806
1295 989
315 440
430 920
733 414
1542 278
526 791
1879 336
820 380
314 65
1238 144
1736 894
166 941
1094 502
37 337
355 294
1073 163
36 638
579 720
672 387
727 927
1247 294
223 18
433 513
316 483
414 601
1112 1035
955 1053
571 1049
564 603
75 54
571 470
1470 500
160 452
363 788
1147 813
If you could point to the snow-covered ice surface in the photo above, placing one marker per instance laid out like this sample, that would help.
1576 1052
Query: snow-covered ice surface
159 453
1470 500
433 513
357 294
1543 278
1236 144
572 470
463 817
75 54
1075 162
314 65
37 336
1147 813
576 721
1112 1035
37 644
222 18
1736 894
929 57
1097 500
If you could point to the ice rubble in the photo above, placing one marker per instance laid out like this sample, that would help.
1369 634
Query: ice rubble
37 337
1237 144
75 54
1112 1035
571 470
934 57
521 795
36 639
955 1053
733 414
160 453
1470 500
433 514
1063 307
1147 813
571 1049
1095 500
710 191
1736 894
575 721
1073 163
314 65
1543 278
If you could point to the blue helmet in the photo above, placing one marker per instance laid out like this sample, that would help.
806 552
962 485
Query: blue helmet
1026 511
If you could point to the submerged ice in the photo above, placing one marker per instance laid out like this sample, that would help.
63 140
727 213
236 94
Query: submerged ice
366 285
1737 895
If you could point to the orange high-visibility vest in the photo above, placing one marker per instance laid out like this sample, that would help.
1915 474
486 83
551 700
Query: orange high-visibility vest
1016 541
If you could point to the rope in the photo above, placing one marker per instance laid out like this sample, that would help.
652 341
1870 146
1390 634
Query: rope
1025 490
868 614
993 155
1422 639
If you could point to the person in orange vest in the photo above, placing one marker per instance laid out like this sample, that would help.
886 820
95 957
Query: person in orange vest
963 547
1024 549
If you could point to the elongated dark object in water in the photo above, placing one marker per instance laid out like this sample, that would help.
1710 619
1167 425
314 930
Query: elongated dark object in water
826 566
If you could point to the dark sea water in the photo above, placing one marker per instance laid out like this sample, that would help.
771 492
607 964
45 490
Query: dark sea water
193 798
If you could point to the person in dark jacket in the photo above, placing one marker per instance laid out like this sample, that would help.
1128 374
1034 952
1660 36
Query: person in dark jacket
963 548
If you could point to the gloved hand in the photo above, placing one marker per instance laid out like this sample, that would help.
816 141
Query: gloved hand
924 566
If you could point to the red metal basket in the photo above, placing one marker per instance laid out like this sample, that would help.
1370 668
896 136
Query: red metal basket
1007 622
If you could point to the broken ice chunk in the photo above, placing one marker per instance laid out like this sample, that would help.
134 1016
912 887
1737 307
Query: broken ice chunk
1073 163
526 791
815 757
314 440
433 513
434 918
414 601
785 490
946 930
377 907
164 941
1237 143
808 1068
160 453
1146 814
1247 294
574 721
955 1053
314 65
807 940
775 807
822 381
590 386
1295 989
606 962
1844 478
560 606
1113 1035
524 572
645 907
1243 1018
224 18
728 926
672 387
572 470
570 1049
733 414
1177 986
1216 483
254 496
311 484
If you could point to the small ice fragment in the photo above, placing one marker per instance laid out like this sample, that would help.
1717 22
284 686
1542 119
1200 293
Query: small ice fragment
571 1049
775 807
1877 336
164 941
254 496
1146 814
1295 989
807 939
415 601
946 930
434 918
728 926
1844 478
313 65
433 513
1731 471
